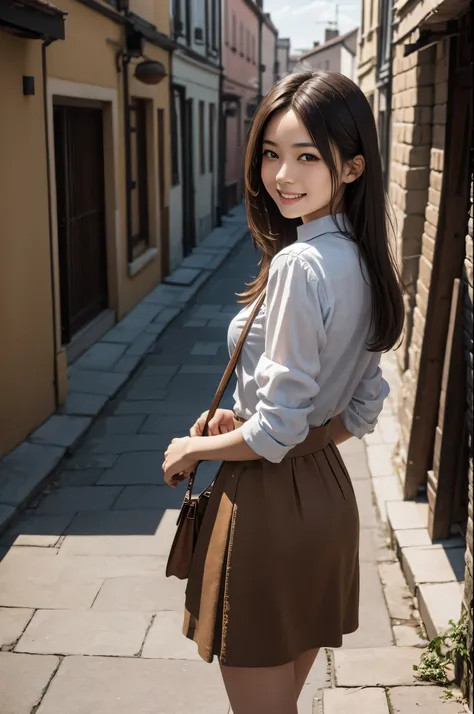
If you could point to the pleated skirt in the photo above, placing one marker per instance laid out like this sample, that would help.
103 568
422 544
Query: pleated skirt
275 571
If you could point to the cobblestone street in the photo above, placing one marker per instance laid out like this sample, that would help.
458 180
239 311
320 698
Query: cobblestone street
88 622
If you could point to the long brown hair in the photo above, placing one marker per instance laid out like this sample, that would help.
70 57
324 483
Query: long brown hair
336 114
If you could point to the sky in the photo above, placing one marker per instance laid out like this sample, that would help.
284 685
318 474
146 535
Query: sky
304 21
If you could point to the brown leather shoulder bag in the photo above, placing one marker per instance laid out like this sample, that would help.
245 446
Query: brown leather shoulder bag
194 507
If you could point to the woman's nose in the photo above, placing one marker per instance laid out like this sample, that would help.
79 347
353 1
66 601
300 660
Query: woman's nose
283 174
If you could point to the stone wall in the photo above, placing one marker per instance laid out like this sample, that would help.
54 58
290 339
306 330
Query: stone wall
420 103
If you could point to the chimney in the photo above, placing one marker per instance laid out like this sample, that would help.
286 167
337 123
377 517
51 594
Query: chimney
315 44
330 34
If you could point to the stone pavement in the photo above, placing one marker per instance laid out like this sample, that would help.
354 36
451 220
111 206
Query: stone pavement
88 622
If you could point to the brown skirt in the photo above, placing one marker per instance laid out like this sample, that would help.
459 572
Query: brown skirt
276 567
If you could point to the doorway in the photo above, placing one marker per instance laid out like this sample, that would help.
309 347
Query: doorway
79 164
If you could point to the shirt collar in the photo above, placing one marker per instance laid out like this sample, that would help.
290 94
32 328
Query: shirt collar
320 226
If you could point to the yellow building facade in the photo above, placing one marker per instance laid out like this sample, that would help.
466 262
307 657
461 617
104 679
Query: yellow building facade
84 186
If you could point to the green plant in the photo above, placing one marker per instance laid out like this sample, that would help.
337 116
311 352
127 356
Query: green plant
442 653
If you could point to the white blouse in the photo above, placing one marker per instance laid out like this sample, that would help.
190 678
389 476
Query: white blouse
305 359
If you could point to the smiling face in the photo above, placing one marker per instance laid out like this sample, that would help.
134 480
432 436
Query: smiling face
293 172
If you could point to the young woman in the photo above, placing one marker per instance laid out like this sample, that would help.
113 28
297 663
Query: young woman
275 572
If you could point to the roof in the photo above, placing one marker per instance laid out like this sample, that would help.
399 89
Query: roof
35 19
339 40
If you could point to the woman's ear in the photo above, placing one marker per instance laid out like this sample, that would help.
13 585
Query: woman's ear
353 169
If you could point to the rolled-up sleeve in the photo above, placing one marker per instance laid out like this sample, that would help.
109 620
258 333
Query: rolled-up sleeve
360 416
287 372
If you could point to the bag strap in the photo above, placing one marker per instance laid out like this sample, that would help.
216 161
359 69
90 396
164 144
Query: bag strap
229 371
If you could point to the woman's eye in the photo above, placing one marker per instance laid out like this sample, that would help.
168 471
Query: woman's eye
309 157
269 154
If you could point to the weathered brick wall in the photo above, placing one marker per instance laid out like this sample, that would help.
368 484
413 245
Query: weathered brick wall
412 102
420 208
468 323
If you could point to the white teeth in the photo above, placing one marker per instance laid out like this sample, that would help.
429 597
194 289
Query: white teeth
297 195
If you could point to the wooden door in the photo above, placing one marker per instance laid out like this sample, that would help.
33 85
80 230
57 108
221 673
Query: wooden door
79 156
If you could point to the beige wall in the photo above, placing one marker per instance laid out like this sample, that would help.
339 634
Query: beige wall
26 357
81 67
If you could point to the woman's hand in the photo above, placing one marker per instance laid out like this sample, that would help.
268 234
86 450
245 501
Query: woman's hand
221 423
178 462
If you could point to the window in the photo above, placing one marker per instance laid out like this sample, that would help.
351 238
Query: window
248 45
253 49
212 20
177 15
199 32
234 32
202 139
326 64
139 177
175 173
212 131
242 39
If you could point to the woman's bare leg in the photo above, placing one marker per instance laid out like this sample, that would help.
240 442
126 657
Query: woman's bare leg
302 668
261 690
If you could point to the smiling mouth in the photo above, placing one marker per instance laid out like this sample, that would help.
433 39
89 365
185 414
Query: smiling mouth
288 198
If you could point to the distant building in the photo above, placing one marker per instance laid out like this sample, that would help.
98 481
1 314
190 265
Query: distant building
283 57
268 67
337 54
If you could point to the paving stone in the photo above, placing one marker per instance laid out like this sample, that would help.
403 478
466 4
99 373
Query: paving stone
122 443
206 348
110 567
84 404
317 679
182 276
121 686
404 515
127 363
374 624
386 488
125 332
101 356
89 633
165 639
6 515
24 470
145 312
197 260
168 314
439 603
363 492
135 533
163 295
160 424
15 671
68 501
128 425
406 636
144 593
380 461
135 468
36 530
422 700
38 582
61 430
195 323
156 497
162 407
141 345
355 701
87 460
200 369
433 564
90 382
376 666
145 390
397 595
12 623
412 537
206 312
221 322
85 477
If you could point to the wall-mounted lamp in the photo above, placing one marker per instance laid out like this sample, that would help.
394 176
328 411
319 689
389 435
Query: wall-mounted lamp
150 72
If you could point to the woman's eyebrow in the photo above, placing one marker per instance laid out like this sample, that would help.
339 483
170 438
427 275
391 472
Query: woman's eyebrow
298 145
